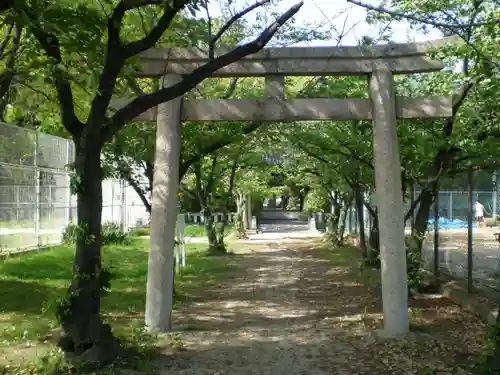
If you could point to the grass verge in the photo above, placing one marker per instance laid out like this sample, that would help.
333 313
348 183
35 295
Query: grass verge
190 230
30 286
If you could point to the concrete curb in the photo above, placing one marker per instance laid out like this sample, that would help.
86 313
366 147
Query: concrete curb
476 303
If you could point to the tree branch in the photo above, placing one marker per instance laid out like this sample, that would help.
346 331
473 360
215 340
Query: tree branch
229 23
370 209
349 155
145 102
427 21
211 177
199 190
230 89
6 38
6 5
50 45
149 41
132 83
232 177
139 191
7 76
413 207
210 148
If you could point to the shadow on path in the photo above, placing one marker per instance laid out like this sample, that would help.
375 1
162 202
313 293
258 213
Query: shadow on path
299 310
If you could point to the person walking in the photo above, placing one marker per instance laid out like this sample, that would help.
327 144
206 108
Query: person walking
479 211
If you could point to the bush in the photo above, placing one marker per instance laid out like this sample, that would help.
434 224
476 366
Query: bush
70 233
372 261
413 275
139 232
491 358
111 233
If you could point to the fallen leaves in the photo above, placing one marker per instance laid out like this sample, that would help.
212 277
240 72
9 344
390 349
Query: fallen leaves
330 327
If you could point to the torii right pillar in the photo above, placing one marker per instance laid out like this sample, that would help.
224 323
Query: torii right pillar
390 204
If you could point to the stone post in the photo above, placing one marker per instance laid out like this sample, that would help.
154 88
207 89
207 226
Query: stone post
159 295
312 223
390 204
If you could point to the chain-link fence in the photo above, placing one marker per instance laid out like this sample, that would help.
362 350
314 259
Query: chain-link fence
35 200
475 257
470 256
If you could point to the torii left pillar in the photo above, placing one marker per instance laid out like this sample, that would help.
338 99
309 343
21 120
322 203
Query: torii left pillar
159 294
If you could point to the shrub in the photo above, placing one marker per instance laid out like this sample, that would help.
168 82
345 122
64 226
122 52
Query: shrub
413 262
413 275
139 232
70 233
111 233
491 357
372 261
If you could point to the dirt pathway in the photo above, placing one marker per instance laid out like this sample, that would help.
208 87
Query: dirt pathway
273 317
288 311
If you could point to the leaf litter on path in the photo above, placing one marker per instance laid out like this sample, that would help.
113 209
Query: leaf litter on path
297 309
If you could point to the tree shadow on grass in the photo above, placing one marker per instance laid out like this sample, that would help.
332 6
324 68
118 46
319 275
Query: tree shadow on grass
26 297
292 303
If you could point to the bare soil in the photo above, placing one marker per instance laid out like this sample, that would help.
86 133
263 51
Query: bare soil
295 309
453 254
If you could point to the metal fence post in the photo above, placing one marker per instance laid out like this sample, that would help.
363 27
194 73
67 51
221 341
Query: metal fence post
436 229
450 208
124 218
469 231
412 199
18 200
49 198
37 193
181 224
494 195
68 175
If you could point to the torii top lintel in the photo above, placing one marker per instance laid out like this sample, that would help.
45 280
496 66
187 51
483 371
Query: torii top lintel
301 61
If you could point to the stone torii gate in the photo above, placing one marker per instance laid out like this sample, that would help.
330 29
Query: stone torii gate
378 64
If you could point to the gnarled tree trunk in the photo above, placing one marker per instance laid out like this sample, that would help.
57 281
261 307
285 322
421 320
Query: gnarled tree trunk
84 332
214 245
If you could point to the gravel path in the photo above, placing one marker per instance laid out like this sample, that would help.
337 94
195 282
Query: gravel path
273 317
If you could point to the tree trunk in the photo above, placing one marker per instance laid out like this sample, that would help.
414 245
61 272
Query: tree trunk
284 201
341 226
358 200
225 208
126 175
213 240
335 221
374 236
84 332
335 218
240 218
426 200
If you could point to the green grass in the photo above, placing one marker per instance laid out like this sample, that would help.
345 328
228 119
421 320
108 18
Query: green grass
31 284
190 230
194 230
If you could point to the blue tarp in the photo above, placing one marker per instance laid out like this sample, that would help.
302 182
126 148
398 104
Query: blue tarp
449 224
